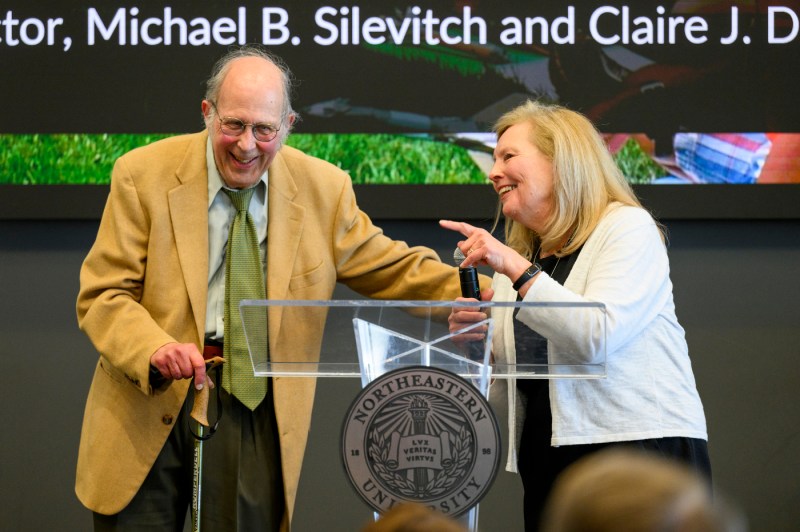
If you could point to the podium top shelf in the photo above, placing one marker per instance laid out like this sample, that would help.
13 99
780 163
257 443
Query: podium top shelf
363 338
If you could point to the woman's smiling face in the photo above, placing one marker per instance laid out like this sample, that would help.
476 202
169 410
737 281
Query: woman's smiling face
523 178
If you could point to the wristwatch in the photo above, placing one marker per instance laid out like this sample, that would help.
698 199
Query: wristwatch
526 276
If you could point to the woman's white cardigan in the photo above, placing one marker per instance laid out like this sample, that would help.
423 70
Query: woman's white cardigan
649 390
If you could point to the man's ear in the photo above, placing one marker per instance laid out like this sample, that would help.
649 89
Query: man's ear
205 107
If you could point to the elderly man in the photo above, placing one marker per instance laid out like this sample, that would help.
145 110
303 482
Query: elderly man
152 299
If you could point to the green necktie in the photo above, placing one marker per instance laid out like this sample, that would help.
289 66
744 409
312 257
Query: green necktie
244 279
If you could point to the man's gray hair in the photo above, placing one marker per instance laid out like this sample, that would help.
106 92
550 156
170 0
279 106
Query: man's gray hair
222 66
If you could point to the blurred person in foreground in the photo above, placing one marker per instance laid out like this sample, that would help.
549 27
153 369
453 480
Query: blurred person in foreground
625 489
414 517
152 293
575 232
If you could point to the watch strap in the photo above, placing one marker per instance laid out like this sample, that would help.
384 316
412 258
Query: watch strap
526 276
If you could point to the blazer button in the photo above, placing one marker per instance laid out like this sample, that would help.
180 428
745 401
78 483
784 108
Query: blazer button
167 419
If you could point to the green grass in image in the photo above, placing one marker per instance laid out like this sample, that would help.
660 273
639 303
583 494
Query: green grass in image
381 159
79 159
83 159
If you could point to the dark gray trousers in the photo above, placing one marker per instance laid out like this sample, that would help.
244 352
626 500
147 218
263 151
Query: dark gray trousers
242 487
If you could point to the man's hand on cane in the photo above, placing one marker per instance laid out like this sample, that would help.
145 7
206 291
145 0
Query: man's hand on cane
180 361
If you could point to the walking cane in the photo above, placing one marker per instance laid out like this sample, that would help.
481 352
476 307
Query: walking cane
200 414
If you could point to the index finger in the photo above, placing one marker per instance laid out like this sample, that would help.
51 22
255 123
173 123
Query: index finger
461 227
199 367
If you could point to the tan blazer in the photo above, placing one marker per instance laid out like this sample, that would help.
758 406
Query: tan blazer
144 284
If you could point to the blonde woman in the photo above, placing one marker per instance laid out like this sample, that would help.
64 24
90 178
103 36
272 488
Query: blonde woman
576 232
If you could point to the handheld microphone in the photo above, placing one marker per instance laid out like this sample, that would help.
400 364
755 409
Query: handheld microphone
468 277
470 287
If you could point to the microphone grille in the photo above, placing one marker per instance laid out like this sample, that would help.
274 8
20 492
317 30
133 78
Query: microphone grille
458 256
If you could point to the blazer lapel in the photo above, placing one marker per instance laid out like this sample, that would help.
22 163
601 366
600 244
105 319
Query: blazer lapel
188 205
283 234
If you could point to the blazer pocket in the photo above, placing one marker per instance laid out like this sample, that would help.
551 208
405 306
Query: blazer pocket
314 276
116 375
111 372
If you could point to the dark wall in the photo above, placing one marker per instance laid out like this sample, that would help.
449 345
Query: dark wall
736 291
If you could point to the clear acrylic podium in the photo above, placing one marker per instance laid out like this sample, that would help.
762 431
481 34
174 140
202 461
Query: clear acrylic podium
365 339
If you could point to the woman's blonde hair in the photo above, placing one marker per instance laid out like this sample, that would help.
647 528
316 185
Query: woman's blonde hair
586 180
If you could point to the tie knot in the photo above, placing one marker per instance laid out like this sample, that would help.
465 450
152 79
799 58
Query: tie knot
240 198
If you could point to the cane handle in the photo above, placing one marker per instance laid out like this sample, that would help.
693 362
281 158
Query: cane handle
200 406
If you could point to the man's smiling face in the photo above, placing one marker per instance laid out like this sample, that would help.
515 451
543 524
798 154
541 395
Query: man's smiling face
253 93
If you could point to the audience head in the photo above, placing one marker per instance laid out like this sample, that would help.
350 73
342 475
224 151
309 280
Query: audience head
624 489
413 517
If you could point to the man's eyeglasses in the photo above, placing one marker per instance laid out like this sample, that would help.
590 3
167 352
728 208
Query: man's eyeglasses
233 127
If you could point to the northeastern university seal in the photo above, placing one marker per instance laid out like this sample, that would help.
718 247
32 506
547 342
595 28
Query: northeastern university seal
422 435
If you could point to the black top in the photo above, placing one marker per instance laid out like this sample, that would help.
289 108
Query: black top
531 347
